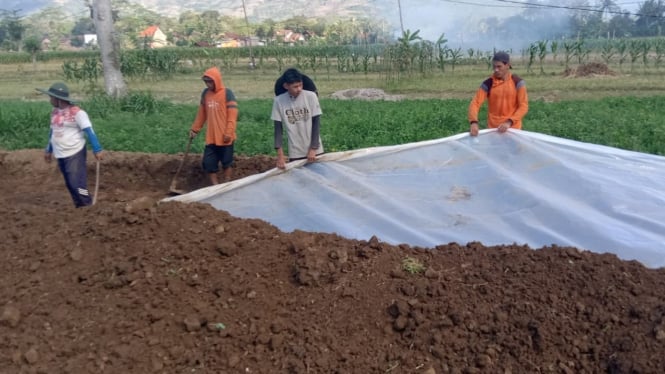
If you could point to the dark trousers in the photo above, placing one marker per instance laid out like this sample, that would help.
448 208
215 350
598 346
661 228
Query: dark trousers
74 170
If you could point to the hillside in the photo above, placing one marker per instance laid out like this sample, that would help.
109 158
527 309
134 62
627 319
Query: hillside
265 9
256 9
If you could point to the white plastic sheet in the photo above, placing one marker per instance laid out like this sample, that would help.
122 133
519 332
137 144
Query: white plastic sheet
519 187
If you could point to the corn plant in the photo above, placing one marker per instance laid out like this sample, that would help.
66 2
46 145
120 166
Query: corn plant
488 60
645 47
300 58
607 52
279 57
554 48
581 52
343 62
568 50
365 63
634 51
355 63
659 50
542 53
622 47
312 60
88 72
425 55
455 57
533 50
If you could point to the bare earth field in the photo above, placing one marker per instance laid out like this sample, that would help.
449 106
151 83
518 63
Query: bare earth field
132 286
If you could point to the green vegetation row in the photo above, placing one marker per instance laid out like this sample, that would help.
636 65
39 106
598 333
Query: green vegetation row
139 123
411 55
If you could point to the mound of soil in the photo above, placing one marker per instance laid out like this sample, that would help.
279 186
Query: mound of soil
131 285
368 94
587 70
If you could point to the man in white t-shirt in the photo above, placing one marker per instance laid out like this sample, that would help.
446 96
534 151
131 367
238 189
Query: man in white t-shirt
299 112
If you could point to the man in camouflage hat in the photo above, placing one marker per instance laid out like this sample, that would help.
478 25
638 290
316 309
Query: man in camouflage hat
67 142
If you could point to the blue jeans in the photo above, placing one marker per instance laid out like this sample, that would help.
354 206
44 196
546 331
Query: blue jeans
74 170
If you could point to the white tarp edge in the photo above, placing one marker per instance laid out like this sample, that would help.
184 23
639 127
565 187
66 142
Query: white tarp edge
519 187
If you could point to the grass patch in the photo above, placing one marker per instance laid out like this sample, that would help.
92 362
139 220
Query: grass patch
413 266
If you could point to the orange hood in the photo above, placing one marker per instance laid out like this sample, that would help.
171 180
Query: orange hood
214 74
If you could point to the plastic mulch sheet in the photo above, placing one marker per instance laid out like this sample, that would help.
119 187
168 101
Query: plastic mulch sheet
518 187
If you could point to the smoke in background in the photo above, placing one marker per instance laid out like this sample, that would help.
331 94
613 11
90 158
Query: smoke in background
490 24
481 24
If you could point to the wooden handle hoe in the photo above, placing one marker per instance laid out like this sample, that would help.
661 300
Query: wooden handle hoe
173 188
94 196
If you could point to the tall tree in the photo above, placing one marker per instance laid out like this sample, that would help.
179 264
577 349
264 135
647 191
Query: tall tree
51 22
650 20
12 24
33 46
608 8
210 25
621 26
114 82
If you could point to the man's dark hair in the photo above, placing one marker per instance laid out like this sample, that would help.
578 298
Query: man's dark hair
291 75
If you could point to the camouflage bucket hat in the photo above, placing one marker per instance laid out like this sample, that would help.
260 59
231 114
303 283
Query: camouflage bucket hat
58 90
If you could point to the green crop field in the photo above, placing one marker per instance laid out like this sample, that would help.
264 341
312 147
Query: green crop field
622 107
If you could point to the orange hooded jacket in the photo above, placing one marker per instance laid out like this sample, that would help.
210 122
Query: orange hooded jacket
219 110
506 100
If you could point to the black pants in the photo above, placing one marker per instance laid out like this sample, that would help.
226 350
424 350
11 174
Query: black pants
74 170
214 154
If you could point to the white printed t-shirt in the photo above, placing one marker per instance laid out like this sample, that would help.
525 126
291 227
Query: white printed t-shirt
67 125
296 116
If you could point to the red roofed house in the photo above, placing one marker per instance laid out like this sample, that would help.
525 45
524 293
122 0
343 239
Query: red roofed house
154 37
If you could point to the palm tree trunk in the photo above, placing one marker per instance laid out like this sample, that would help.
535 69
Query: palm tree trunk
401 23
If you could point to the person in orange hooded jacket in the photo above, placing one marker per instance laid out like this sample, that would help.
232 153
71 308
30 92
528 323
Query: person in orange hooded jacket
506 95
219 109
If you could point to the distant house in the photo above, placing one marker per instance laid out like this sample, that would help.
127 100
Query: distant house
228 43
233 40
203 43
154 37
90 39
254 40
229 40
289 36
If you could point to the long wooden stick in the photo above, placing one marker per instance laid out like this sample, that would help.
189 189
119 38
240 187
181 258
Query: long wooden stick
94 196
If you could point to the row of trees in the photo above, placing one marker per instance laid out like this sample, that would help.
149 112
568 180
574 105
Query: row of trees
190 28
551 19
609 20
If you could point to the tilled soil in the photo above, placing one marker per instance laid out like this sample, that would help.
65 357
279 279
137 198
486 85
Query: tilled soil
131 285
